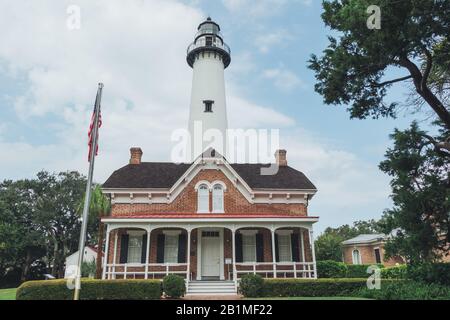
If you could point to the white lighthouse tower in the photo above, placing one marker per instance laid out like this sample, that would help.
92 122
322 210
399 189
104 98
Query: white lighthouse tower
208 56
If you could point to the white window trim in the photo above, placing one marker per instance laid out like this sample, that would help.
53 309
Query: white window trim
215 183
197 187
135 234
285 233
175 235
359 255
253 235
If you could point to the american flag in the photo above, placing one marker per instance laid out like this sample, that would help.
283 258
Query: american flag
91 129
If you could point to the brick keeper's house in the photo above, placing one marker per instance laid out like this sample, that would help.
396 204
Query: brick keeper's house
209 221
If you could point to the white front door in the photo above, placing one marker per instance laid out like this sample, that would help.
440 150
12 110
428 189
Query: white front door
210 254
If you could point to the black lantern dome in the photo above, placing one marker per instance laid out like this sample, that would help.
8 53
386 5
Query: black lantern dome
208 39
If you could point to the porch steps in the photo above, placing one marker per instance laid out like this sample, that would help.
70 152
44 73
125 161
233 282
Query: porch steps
211 287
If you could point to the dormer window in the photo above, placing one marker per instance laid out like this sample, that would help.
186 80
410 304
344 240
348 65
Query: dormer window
208 105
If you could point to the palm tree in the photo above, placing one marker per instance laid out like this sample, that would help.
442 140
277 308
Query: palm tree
99 207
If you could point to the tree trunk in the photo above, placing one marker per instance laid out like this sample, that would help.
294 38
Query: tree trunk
55 259
98 271
26 267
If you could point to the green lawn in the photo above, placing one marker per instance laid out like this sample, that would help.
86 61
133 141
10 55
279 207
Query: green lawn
8 294
308 298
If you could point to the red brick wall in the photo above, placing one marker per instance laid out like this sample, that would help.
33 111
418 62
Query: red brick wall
367 253
186 202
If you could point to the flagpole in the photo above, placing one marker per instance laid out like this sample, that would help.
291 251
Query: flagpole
87 197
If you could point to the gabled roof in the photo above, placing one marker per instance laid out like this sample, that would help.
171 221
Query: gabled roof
365 238
163 175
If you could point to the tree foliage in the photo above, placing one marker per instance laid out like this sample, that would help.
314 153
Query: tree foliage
414 38
40 223
421 196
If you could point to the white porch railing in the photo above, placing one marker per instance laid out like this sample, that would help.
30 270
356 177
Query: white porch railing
277 269
150 270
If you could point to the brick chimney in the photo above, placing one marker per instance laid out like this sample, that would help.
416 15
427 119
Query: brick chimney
136 155
280 156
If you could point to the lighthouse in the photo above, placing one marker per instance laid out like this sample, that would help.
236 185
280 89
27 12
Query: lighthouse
208 56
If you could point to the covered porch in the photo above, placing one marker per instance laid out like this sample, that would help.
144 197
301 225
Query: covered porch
209 248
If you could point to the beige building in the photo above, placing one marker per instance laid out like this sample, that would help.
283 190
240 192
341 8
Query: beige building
367 249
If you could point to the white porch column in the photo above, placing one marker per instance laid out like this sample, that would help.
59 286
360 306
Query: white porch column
106 255
147 254
116 232
188 258
233 249
313 251
302 244
274 258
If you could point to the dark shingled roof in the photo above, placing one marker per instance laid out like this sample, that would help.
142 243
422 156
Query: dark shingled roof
164 175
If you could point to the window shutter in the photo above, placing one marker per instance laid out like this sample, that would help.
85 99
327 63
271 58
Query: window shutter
182 244
295 247
160 248
144 248
277 256
238 244
124 248
259 247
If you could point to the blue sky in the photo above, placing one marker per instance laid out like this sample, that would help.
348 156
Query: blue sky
48 76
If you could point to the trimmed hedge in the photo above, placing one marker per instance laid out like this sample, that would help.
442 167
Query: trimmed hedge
407 290
331 269
91 290
334 269
312 287
397 272
359 270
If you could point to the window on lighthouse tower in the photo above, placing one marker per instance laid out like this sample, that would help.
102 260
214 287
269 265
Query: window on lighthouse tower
208 105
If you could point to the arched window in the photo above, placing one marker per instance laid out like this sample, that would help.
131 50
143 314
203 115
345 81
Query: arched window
356 257
203 198
218 198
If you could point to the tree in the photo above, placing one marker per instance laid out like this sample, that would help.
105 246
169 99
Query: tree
21 239
421 195
99 207
414 38
58 196
328 244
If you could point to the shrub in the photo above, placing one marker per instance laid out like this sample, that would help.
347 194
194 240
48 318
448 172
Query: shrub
91 290
331 269
359 270
88 269
438 273
397 272
174 286
303 287
407 290
251 285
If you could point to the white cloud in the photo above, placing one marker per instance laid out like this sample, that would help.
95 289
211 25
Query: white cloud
283 79
266 41
349 187
136 48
